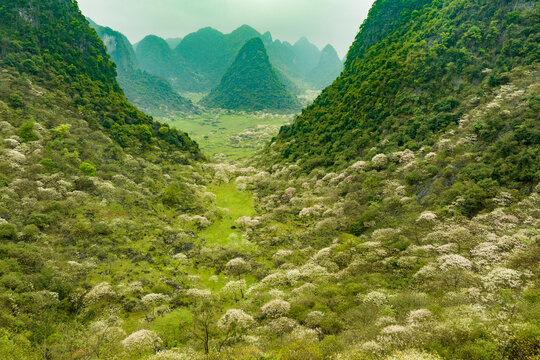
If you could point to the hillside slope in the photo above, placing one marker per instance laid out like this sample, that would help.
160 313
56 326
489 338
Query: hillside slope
408 72
413 76
252 84
77 164
117 242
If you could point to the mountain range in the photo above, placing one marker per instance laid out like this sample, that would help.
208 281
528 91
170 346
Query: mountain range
154 70
199 61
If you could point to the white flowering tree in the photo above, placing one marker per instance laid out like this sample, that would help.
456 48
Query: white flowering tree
104 336
142 342
275 308
456 270
151 302
237 267
234 290
233 325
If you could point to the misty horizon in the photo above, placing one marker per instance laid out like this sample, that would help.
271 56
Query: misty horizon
321 22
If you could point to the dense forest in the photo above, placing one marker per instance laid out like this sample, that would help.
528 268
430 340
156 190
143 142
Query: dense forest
397 218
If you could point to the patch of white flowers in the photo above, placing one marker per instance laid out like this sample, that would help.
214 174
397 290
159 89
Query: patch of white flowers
375 298
502 278
235 319
141 340
100 292
380 161
454 261
275 308
153 300
313 211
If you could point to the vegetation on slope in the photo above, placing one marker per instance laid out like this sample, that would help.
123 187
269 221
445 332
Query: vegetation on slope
413 76
407 80
251 84
125 247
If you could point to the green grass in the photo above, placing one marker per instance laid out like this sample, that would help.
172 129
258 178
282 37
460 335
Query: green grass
237 136
238 204
194 97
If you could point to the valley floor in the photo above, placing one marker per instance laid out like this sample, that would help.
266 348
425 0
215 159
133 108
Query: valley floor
235 135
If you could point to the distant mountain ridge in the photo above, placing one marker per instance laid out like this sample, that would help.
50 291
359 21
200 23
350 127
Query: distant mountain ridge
328 68
149 92
154 70
251 84
199 61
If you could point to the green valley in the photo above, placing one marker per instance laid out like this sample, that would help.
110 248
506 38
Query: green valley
393 216
235 135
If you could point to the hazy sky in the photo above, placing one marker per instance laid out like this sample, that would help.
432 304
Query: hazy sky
321 21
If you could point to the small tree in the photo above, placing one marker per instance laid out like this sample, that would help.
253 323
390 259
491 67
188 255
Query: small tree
205 309
233 324
237 267
26 131
87 169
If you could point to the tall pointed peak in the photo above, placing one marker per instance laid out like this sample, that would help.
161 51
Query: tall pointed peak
251 84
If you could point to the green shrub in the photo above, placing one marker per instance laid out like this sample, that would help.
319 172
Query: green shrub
7 231
40 220
4 181
49 165
26 131
87 169
163 130
178 195
61 131
16 100
30 232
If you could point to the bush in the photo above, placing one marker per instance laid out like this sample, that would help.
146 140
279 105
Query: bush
178 195
163 130
7 231
4 181
87 169
16 100
26 131
49 165
30 232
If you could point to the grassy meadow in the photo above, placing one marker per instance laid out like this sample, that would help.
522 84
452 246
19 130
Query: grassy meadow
235 135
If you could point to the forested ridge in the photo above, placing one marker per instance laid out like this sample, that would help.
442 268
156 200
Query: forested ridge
252 84
409 73
148 92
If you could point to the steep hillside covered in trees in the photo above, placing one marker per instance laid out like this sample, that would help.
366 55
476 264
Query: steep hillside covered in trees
77 164
414 72
409 73
252 84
